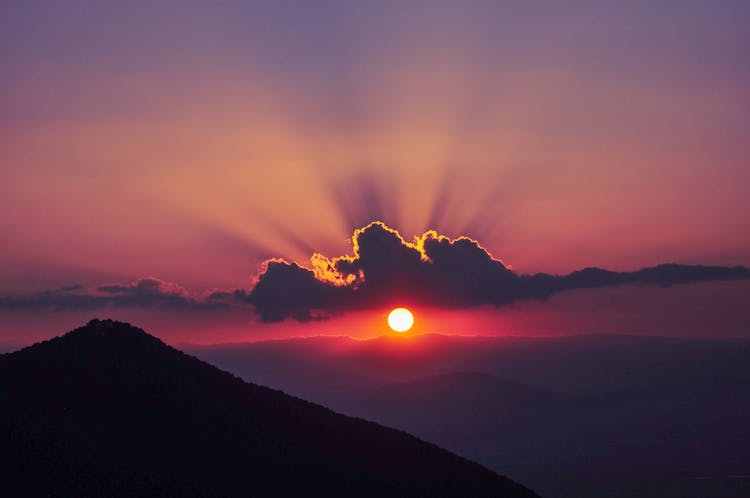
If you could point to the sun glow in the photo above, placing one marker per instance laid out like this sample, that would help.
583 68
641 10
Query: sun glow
400 319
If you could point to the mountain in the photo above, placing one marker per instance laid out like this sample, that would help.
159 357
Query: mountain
645 442
473 412
573 417
683 440
333 370
108 410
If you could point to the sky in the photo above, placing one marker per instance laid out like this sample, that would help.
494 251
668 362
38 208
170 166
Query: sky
188 142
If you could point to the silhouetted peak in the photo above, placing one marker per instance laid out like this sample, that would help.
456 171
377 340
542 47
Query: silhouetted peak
101 338
108 410
107 324
112 333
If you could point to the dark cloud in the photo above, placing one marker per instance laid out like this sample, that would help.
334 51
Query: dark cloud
152 293
73 287
433 270
384 270
289 290
57 300
143 293
233 296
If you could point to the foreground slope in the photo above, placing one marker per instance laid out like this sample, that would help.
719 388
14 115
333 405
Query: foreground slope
572 417
108 410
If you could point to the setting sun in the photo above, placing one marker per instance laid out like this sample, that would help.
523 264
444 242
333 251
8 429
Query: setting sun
400 319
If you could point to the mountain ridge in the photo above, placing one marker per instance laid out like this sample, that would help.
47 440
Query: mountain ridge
110 410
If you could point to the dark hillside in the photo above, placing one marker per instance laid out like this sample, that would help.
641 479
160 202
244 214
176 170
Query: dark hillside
108 410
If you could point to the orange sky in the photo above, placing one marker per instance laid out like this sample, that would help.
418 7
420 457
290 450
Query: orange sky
191 142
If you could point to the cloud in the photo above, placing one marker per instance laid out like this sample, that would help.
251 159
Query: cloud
58 300
146 292
383 270
153 293
434 270
289 290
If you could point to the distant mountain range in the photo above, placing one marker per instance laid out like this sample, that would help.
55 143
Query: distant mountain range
681 432
108 410
573 417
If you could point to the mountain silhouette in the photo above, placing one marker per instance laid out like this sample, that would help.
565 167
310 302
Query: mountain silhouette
572 417
108 410
645 442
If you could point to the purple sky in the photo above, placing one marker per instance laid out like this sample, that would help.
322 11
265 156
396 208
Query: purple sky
190 141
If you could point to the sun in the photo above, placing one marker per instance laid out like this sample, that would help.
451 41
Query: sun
400 319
